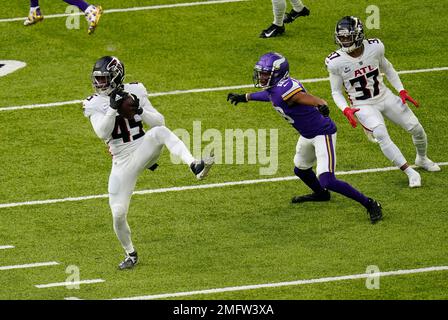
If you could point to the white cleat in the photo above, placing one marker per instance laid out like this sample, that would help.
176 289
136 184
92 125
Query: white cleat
426 164
34 17
201 167
93 15
415 180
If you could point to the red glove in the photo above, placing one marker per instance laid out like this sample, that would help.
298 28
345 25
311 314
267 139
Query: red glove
349 113
404 96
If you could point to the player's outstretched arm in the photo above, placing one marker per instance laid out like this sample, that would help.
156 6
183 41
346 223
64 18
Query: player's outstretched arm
235 98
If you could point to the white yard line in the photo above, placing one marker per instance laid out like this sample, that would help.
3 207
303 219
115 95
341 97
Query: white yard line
69 283
30 265
176 92
6 247
289 283
163 6
195 187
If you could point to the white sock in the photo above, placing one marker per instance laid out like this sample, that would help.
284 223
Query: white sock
409 171
420 141
123 232
279 9
297 5
388 147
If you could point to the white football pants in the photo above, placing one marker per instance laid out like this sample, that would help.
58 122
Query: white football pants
371 118
125 171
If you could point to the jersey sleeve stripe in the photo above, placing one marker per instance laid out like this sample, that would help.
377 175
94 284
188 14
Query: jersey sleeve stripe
289 95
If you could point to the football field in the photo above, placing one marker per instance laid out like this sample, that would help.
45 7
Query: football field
236 234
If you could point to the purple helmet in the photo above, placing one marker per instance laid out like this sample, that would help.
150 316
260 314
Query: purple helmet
270 69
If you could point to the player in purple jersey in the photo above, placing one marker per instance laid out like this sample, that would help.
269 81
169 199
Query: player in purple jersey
308 114
91 12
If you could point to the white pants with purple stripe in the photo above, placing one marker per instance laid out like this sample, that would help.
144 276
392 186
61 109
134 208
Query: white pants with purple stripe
320 149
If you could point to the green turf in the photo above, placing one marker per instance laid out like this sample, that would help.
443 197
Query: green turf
230 236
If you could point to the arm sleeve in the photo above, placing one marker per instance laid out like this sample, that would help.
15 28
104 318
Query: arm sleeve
336 91
150 115
258 96
104 124
391 74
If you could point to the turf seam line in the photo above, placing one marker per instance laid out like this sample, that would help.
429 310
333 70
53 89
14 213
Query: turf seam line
199 90
68 283
6 247
289 283
30 265
119 10
195 187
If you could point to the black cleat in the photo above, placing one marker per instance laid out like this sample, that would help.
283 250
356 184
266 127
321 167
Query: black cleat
293 15
322 196
153 167
129 261
273 31
200 168
374 210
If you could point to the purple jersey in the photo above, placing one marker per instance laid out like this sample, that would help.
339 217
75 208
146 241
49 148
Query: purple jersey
305 119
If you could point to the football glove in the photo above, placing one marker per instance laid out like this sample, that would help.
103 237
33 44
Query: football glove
116 98
236 98
324 110
136 105
350 115
405 96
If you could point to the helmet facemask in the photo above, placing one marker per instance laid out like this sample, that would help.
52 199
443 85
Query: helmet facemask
269 70
349 34
108 75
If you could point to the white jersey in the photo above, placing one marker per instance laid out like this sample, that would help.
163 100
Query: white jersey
122 136
361 76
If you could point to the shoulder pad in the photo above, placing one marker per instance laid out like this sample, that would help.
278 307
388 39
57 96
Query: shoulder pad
136 88
91 105
332 58
373 41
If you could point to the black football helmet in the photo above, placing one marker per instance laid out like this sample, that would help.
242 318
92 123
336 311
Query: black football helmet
349 33
107 75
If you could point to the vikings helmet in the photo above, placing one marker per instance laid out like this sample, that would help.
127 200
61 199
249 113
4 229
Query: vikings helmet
107 75
270 69
349 33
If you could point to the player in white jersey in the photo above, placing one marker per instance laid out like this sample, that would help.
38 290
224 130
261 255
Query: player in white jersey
132 148
357 66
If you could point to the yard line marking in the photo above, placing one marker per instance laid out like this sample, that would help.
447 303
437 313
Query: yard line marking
68 283
163 6
177 92
72 298
6 247
31 265
289 283
194 187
